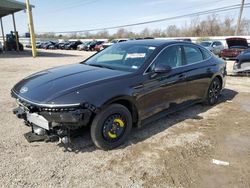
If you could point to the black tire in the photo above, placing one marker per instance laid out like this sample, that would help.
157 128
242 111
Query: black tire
101 127
213 92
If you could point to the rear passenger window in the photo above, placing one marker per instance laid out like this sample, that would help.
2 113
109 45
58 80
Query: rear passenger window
206 54
217 43
193 54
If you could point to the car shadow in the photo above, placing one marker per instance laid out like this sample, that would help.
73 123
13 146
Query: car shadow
84 143
40 53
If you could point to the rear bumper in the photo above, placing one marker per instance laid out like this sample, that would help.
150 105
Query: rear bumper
228 56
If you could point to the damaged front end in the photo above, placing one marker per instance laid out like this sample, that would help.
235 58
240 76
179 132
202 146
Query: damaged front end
53 122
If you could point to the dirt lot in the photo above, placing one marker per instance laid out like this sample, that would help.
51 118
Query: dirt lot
176 151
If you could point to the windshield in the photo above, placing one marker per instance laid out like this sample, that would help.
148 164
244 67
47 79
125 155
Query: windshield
122 56
205 44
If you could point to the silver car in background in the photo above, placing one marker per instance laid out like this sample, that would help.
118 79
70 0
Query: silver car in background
213 46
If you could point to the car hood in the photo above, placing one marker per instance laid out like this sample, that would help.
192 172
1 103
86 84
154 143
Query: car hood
44 86
236 42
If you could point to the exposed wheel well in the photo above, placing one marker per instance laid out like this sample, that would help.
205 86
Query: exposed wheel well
130 106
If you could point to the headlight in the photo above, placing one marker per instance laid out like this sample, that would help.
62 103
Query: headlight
45 109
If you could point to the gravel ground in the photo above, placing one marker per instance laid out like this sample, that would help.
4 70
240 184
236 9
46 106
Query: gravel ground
176 151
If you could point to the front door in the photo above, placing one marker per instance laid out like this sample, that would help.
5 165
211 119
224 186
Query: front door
163 90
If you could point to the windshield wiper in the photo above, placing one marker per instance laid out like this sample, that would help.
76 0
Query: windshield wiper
101 66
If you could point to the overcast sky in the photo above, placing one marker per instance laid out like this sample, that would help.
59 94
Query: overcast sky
58 15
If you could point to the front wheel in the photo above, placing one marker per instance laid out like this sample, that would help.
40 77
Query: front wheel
111 127
213 93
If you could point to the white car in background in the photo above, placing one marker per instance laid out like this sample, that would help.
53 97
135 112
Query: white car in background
107 44
214 46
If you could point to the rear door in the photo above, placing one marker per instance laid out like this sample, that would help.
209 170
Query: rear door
199 70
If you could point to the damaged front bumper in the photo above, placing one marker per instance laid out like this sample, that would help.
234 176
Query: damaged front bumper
53 123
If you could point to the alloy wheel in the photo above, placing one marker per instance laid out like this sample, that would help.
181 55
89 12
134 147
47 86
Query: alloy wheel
214 91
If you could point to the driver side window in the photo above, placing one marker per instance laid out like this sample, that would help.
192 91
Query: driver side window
171 56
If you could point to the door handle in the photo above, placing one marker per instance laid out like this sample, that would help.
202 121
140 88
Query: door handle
182 77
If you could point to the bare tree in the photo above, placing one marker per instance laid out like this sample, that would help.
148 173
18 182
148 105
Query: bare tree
228 26
172 31
157 33
210 26
245 27
121 33
145 32
102 34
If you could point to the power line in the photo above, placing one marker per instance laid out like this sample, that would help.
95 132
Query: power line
70 6
211 11
119 20
113 22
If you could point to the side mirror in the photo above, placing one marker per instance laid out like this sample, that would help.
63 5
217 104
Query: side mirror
162 68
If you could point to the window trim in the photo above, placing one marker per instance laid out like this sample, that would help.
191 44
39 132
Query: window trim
153 61
201 49
182 46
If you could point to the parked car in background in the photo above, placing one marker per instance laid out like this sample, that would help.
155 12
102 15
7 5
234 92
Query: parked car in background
92 45
98 47
89 46
48 44
54 46
39 45
214 46
107 44
72 45
242 63
130 83
84 46
235 47
62 45
95 45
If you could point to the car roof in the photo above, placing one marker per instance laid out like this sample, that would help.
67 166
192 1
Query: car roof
211 41
155 42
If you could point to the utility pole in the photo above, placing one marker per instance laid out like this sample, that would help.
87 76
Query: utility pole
239 18
16 35
4 46
31 29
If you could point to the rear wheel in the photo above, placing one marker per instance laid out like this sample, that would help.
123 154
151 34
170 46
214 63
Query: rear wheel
213 92
111 127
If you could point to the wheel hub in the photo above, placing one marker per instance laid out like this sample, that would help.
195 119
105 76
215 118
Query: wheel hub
114 127
214 91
